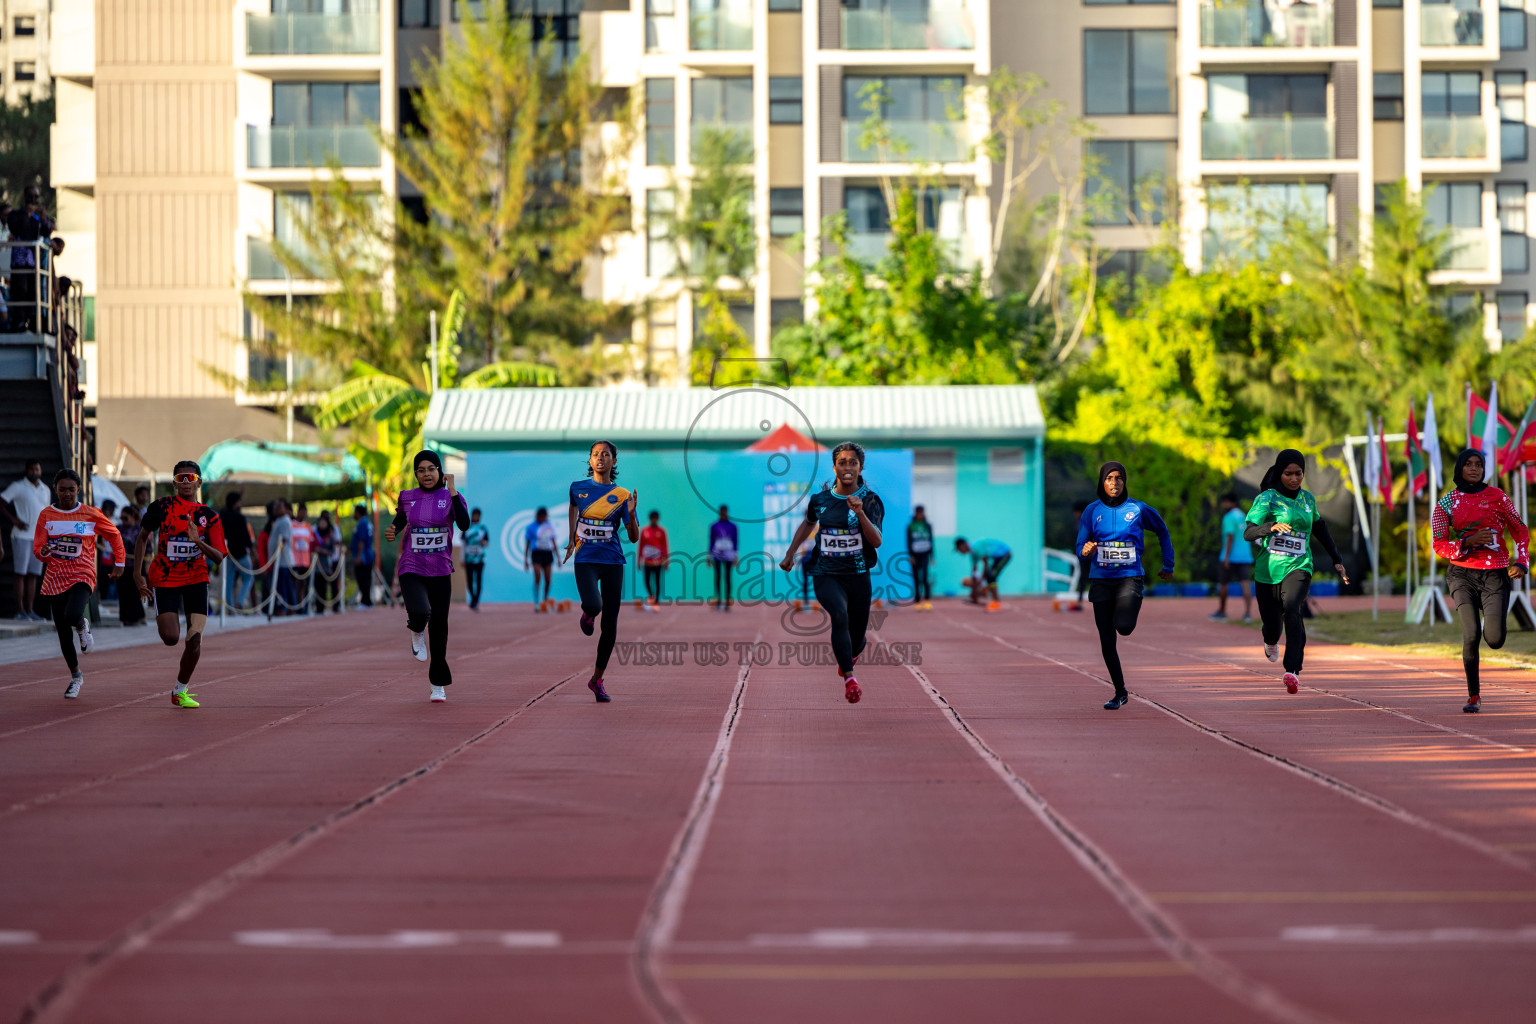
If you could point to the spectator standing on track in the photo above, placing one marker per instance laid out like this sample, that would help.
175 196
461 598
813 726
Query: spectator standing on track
920 550
425 519
598 506
130 606
66 535
476 539
237 535
540 540
654 553
281 542
360 549
26 499
303 556
1236 556
1478 530
327 561
723 545
103 552
1112 532
988 560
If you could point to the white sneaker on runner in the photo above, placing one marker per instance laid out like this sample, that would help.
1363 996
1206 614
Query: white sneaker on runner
439 695
419 646
75 682
1272 652
86 640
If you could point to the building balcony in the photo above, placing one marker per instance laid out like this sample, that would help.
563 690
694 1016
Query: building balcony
940 142
729 27
301 146
911 25
262 264
1468 250
74 20
1455 137
1249 23
1450 25
290 35
1268 138
72 155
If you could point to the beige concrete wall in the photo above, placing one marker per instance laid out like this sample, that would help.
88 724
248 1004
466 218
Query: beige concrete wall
1387 39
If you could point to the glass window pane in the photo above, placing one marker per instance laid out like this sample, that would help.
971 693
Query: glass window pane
660 121
1513 141
1152 166
1308 95
1106 72
1435 88
660 256
1109 190
1511 30
363 103
1466 203
1152 65
1510 196
866 210
290 103
327 103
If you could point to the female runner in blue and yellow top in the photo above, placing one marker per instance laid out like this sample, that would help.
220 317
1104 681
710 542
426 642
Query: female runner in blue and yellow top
598 507
1112 532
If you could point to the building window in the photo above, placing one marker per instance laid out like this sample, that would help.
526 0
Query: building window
1511 25
1387 90
743 315
1130 180
1515 253
1245 220
1386 3
722 104
661 34
783 5
1122 3
410 113
785 313
660 122
785 96
786 212
1512 318
1125 270
1005 467
1128 72
1510 89
26 71
418 13
25 25
325 103
933 487
1448 93
1457 207
660 253
1460 304
662 327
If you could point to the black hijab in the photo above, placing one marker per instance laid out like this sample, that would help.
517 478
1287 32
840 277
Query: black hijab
1461 460
1104 471
430 456
1287 457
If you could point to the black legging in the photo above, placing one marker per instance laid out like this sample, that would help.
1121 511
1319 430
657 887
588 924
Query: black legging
1116 605
363 574
426 607
845 598
1479 592
922 586
1282 604
601 585
723 596
653 582
68 612
474 582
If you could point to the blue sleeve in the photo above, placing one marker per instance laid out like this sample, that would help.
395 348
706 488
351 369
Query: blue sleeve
1082 532
1149 515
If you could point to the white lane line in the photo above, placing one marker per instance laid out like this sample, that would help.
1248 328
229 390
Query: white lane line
910 938
1322 778
658 926
1365 934
18 938
1164 929
311 939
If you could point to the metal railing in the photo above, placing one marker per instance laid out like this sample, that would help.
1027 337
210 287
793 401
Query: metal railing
1450 25
1235 23
1468 250
729 27
283 35
298 146
1451 136
910 25
1267 138
910 141
262 263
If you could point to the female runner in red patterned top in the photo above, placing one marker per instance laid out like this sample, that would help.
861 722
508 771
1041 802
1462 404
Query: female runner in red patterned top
65 540
1476 528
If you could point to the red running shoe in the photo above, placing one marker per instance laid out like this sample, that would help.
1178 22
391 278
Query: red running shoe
1292 681
1473 705
851 690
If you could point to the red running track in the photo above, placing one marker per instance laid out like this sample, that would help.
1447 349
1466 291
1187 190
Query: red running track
977 840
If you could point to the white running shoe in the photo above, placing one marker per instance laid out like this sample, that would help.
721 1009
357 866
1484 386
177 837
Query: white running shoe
439 695
1272 652
86 640
75 682
419 646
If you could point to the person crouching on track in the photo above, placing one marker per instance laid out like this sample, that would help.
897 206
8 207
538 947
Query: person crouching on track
848 515
187 535
1285 519
1112 532
1477 529
427 515
598 506
65 540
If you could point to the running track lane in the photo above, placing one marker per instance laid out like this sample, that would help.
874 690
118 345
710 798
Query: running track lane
868 867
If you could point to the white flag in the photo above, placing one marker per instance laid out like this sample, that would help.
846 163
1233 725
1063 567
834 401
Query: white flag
1372 457
1491 435
1431 443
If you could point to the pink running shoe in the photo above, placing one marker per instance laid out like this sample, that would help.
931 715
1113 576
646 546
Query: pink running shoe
1292 681
596 686
851 690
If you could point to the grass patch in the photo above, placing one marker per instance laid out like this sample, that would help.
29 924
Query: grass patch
1442 639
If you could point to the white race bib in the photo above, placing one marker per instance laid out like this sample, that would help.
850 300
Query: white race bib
473 550
1115 552
922 547
594 531
68 547
180 549
545 540
724 549
429 538
842 543
650 552
1291 545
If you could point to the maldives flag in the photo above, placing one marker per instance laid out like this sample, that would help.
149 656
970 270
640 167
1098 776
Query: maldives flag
1413 452
1386 467
1477 425
1523 438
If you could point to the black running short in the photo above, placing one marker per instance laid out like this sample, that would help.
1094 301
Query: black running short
542 557
191 599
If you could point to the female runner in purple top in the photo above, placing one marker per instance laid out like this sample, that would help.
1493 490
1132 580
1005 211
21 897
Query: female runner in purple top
425 519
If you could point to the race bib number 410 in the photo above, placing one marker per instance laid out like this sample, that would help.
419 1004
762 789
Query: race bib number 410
593 531
1116 552
842 543
1291 545
429 538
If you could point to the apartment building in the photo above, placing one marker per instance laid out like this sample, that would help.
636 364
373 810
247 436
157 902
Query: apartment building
1306 108
24 49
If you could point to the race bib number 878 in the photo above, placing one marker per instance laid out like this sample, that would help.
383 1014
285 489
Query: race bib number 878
429 538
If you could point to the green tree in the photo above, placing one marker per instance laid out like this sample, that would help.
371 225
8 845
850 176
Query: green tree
24 132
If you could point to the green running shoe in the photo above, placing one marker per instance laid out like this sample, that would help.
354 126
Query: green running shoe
184 700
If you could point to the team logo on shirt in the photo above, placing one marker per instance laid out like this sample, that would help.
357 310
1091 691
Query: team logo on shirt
613 499
1131 513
